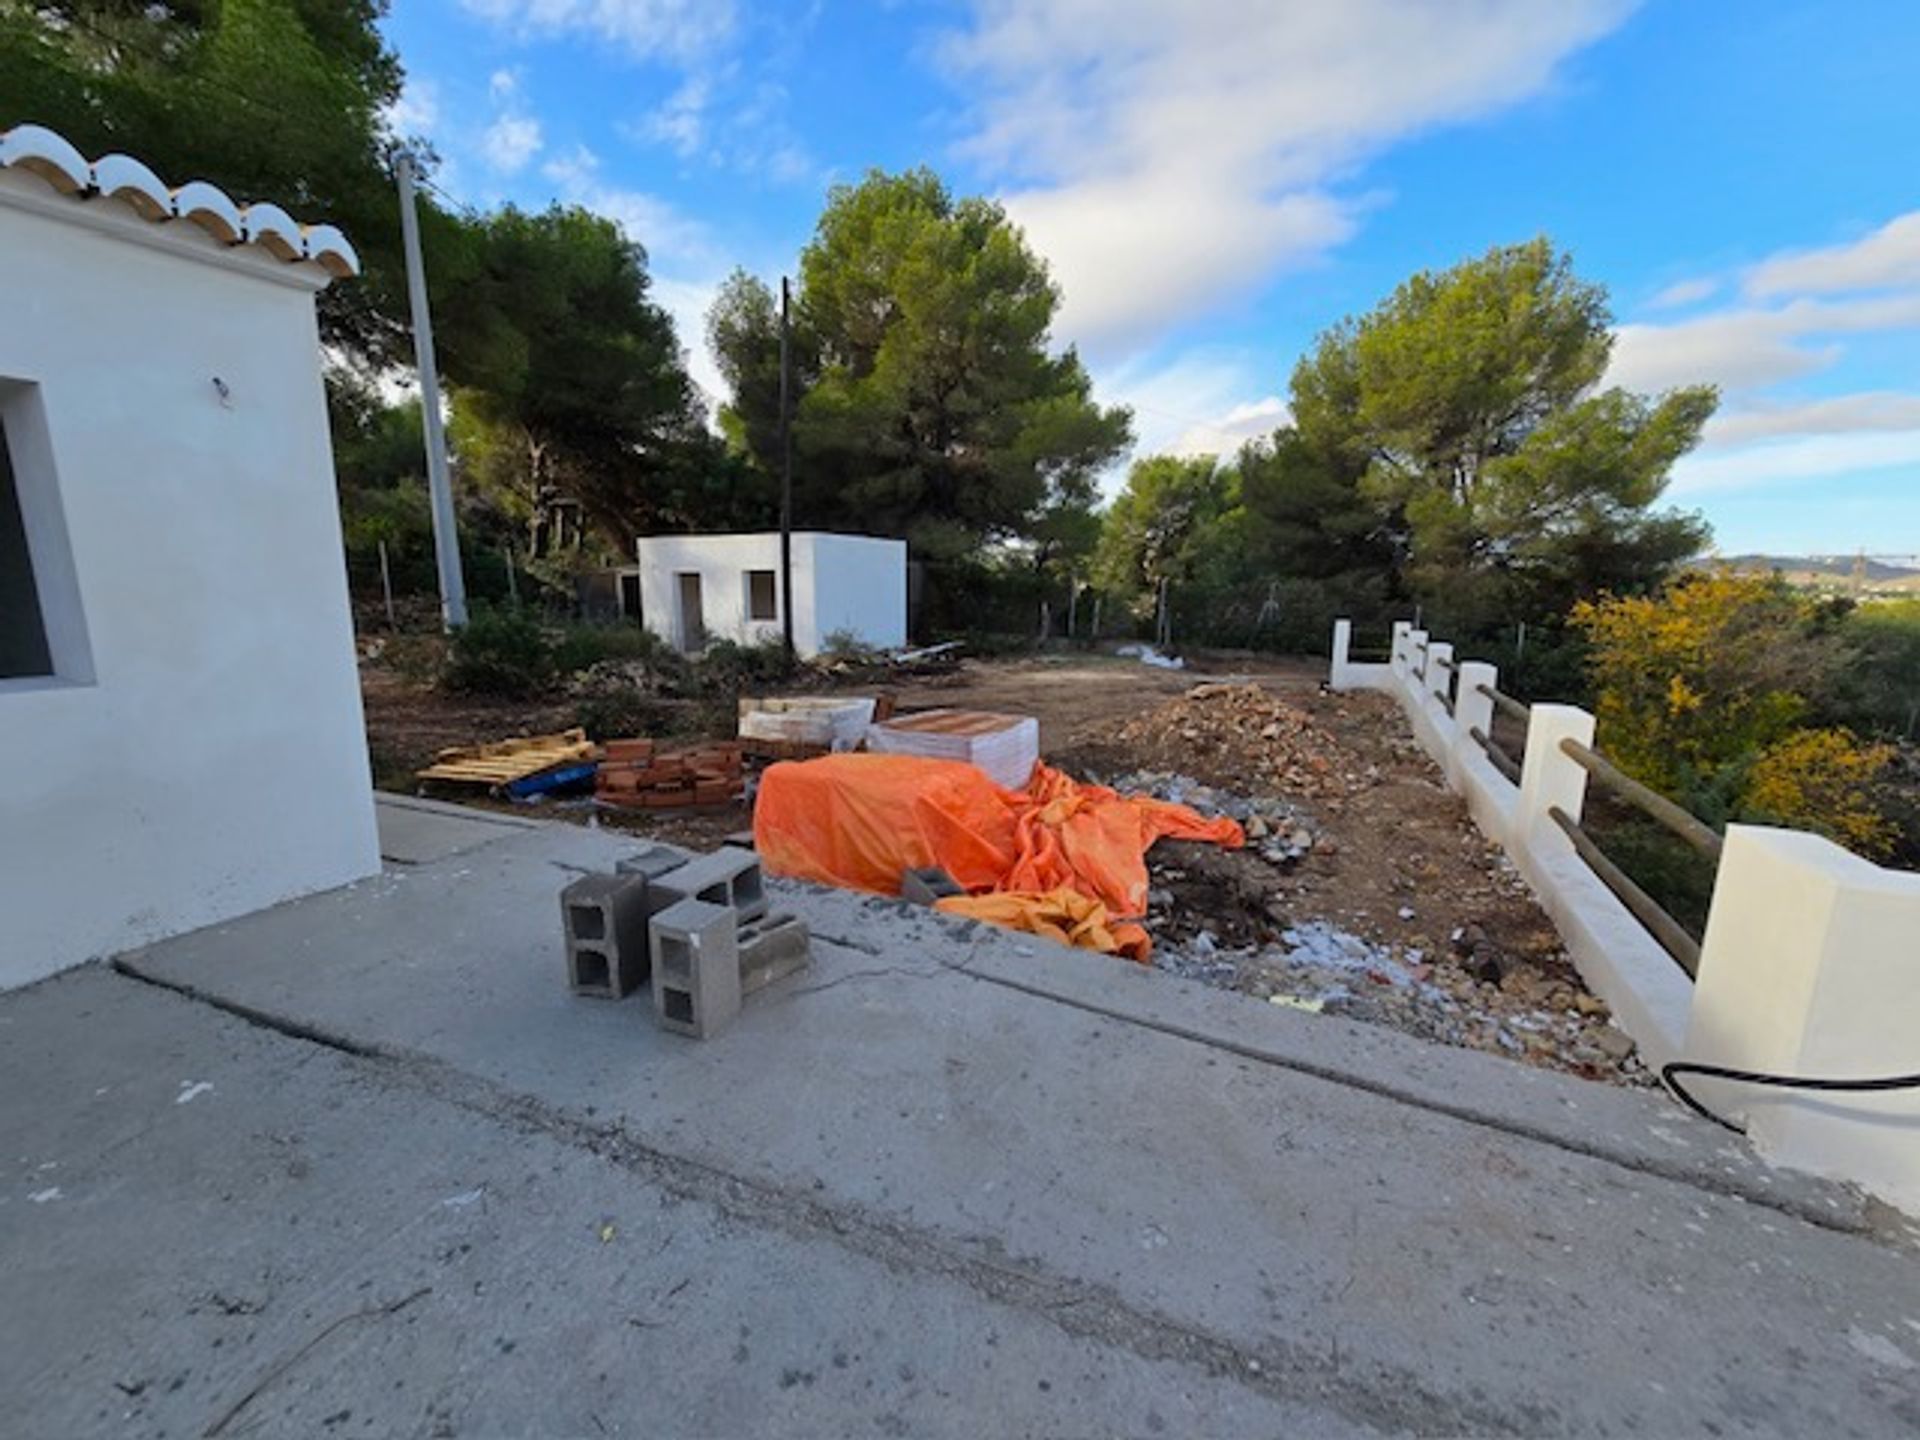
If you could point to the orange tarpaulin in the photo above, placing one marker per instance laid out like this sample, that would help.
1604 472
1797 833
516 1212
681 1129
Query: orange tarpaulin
858 821
1059 915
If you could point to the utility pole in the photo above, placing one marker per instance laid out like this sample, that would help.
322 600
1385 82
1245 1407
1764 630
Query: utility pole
446 540
786 469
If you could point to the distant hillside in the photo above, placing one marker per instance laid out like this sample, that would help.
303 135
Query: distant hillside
1829 572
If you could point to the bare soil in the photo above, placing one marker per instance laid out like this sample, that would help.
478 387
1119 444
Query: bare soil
1395 860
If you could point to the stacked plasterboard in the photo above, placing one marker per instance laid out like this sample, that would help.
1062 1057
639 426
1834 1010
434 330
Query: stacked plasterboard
830 722
1005 746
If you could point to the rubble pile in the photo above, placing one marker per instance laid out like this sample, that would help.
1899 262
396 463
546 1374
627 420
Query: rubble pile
1278 830
1319 967
1241 730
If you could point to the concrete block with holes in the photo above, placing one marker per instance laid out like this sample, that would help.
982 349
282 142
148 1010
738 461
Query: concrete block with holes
652 862
605 921
772 948
728 877
696 967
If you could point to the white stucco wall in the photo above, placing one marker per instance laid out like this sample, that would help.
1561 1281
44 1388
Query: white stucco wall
201 754
840 582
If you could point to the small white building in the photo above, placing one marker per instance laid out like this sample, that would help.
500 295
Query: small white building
695 589
179 704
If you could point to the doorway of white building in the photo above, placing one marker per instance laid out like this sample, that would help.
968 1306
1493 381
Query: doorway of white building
693 625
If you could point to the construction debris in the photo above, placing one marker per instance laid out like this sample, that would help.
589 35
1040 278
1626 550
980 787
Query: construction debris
1277 830
1006 747
1241 730
1319 967
820 723
639 774
520 766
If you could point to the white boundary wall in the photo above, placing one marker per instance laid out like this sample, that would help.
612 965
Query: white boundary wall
1810 965
198 751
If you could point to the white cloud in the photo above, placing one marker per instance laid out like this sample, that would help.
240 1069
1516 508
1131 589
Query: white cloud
671 238
510 142
1801 311
1807 460
1165 156
1747 348
502 85
1224 435
681 121
417 110
649 29
1199 402
1888 257
1866 411
1683 292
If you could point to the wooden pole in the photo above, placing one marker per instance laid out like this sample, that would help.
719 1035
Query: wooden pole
386 587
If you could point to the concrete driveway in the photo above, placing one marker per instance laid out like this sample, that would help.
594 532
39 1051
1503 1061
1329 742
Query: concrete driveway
360 1165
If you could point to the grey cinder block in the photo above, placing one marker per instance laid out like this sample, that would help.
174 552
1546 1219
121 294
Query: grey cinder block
727 877
924 886
696 967
772 948
604 918
652 862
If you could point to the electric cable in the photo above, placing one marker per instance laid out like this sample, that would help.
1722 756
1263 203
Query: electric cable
1669 1071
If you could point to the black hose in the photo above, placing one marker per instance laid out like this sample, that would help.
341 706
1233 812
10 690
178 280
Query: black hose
1779 1082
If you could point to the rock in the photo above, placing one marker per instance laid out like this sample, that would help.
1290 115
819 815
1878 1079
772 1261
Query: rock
1406 912
1616 1044
1589 1004
1256 828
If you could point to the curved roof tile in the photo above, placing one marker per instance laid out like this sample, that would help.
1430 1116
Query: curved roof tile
39 150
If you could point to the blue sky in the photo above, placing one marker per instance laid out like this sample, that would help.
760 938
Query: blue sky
1214 181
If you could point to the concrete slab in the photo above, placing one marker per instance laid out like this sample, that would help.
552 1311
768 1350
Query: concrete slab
1416 1238
216 1230
417 831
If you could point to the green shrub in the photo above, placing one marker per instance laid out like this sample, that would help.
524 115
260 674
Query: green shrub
620 712
583 644
727 669
500 652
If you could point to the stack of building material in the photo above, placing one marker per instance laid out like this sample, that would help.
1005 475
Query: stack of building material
521 766
1006 747
642 775
699 931
799 727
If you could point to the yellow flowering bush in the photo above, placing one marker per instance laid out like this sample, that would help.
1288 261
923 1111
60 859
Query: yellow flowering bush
1702 692
1823 780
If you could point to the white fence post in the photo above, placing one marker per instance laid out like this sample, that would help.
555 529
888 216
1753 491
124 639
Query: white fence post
1416 663
1439 671
1809 968
1549 777
1397 657
1342 647
1472 710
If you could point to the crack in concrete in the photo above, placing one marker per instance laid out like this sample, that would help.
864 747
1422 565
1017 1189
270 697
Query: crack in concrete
1283 1370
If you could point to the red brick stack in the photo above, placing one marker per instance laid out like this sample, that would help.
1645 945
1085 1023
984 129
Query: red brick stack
640 774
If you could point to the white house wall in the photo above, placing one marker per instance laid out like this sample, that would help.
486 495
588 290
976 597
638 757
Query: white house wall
721 562
840 582
205 756
860 587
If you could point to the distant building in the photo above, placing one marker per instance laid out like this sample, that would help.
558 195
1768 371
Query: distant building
179 705
695 589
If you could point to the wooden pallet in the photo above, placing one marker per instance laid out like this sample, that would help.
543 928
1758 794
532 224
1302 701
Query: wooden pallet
505 762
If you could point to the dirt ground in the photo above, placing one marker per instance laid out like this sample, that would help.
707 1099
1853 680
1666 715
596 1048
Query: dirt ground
1385 905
